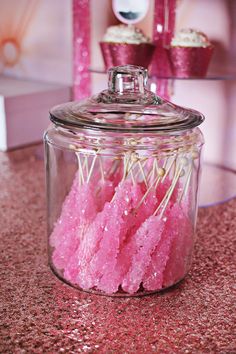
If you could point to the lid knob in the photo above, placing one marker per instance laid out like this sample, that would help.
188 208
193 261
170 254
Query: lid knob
127 79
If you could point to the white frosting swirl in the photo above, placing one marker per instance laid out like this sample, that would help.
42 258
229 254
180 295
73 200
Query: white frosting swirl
125 34
190 38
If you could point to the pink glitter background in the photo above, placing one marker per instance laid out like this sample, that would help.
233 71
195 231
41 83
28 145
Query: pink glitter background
81 49
40 314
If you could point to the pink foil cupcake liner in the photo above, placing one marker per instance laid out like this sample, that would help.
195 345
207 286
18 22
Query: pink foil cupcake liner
190 61
115 54
106 53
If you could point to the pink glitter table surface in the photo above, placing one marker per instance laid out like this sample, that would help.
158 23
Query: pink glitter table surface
40 314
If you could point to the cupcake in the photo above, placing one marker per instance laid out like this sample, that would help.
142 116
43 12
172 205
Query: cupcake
190 53
124 44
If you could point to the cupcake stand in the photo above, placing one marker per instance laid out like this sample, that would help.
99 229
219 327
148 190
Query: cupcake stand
212 94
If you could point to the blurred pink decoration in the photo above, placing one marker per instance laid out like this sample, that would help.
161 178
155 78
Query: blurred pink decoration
81 48
13 29
163 30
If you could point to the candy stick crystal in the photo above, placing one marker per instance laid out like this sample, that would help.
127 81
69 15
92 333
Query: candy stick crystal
146 240
93 237
121 221
110 282
181 246
77 212
170 259
151 232
101 242
153 278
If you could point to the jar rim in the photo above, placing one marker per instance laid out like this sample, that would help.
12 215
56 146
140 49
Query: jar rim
68 115
126 106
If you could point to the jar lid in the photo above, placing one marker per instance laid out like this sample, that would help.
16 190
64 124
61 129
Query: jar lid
127 106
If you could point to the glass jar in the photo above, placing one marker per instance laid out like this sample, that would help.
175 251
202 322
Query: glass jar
122 183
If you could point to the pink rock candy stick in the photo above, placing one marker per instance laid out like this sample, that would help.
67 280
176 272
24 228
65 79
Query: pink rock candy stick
78 210
76 270
153 278
105 187
108 227
103 193
181 247
123 220
162 189
146 240
68 215
111 280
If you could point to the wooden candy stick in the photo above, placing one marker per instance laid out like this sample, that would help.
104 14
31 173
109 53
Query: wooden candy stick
137 161
131 161
130 170
142 173
85 164
183 161
172 162
143 161
168 195
101 168
92 165
81 174
125 172
125 168
151 173
115 164
187 182
160 174
84 158
148 191
195 156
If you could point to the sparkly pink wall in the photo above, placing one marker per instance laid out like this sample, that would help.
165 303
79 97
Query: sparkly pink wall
81 48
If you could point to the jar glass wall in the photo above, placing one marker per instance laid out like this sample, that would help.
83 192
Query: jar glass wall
121 207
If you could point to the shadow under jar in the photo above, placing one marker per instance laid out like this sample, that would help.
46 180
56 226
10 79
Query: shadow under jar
122 182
